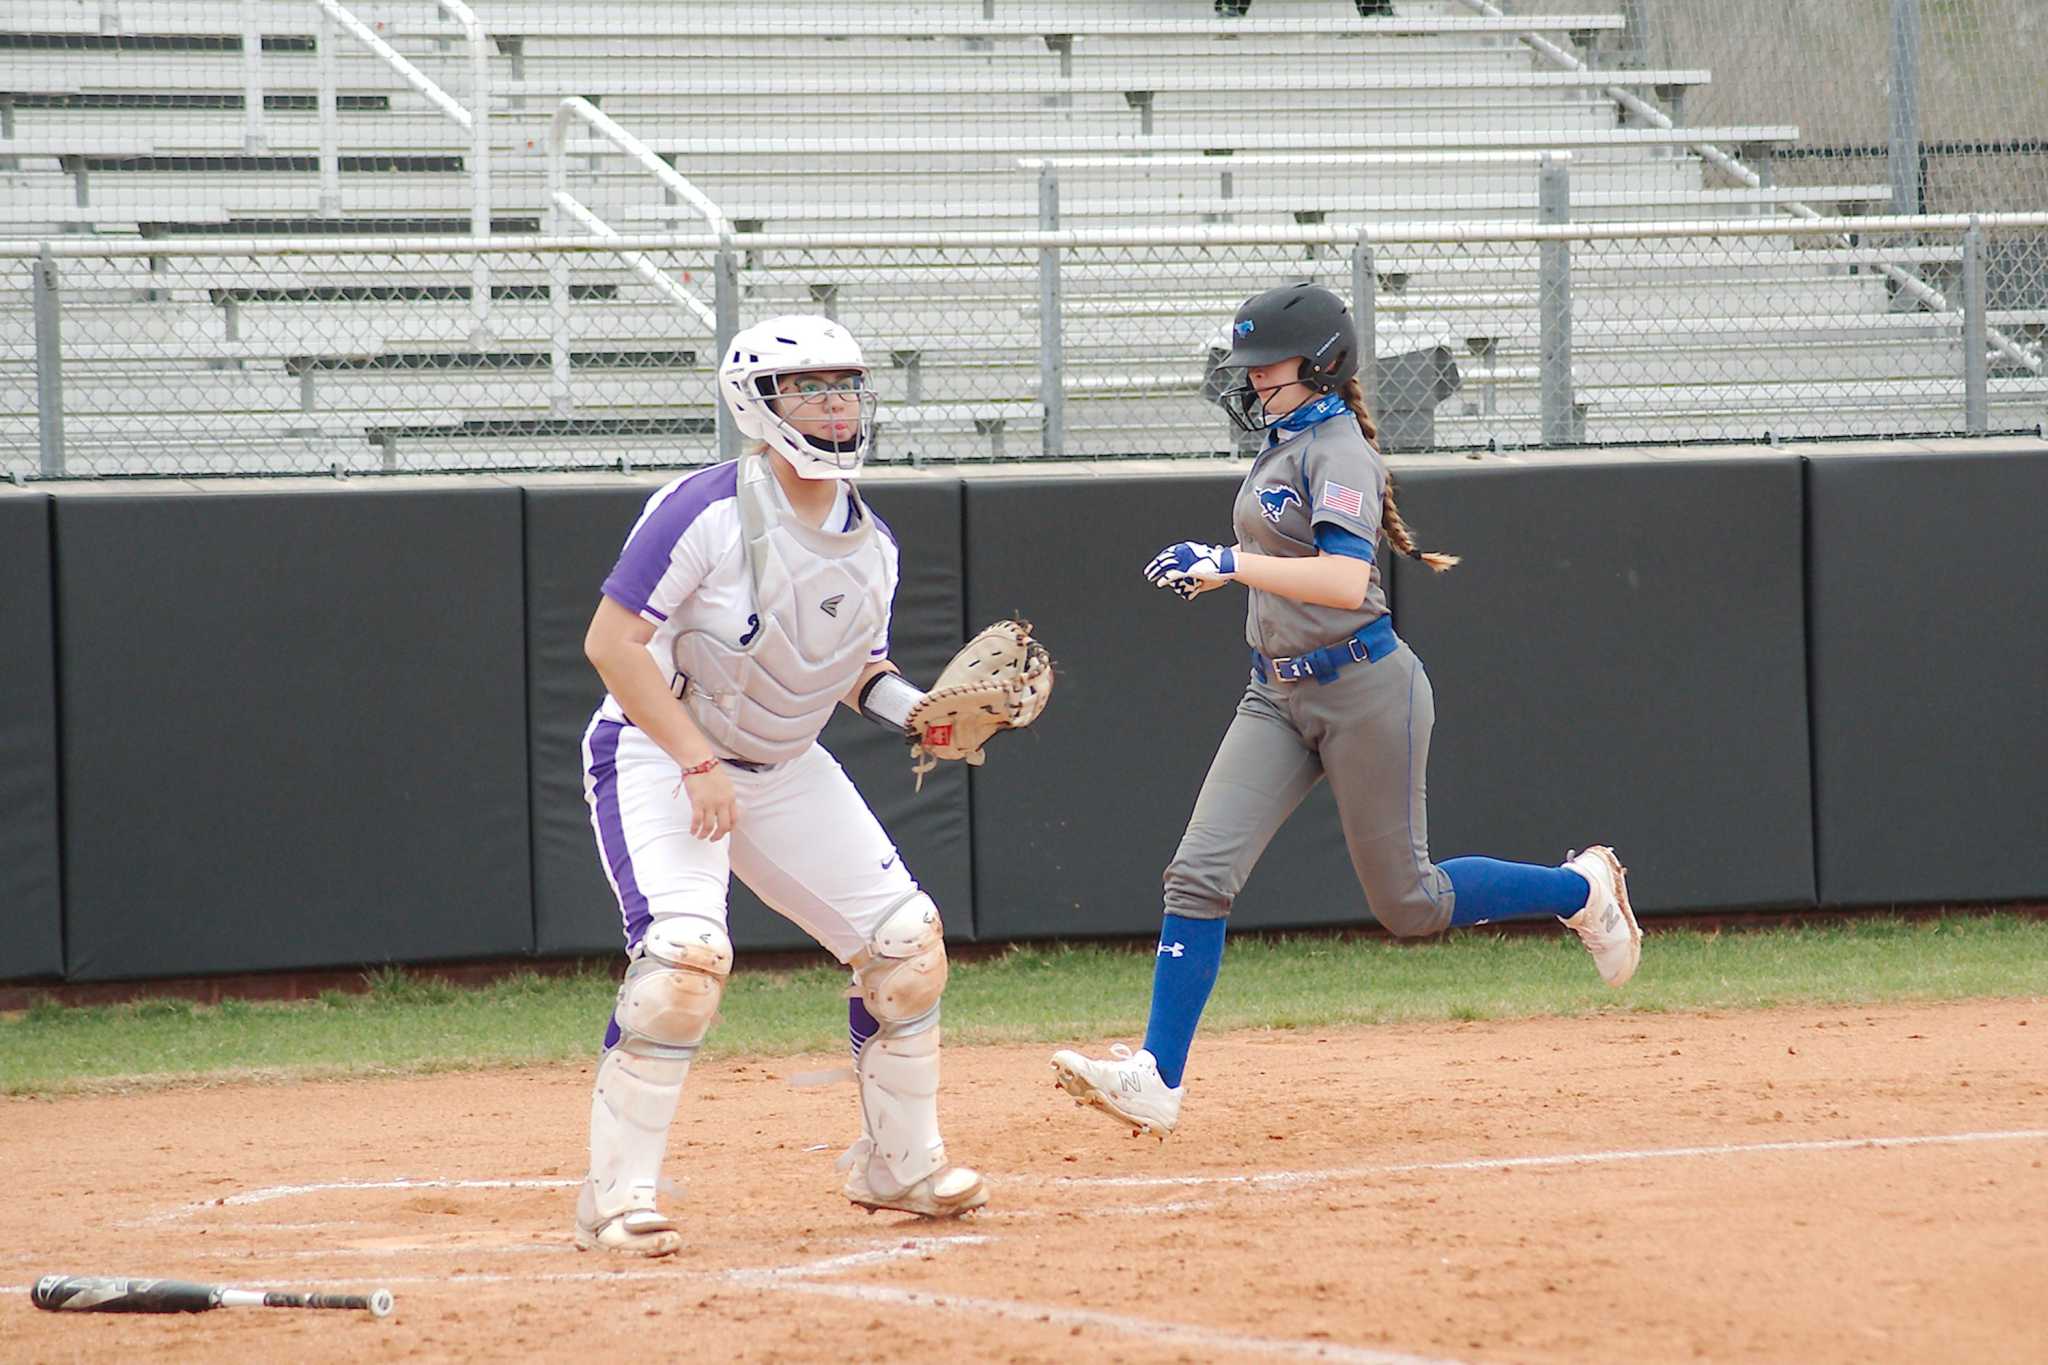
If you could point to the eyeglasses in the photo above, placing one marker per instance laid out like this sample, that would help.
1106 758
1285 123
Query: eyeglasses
810 390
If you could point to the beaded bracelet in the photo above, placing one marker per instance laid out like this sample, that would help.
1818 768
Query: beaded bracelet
706 766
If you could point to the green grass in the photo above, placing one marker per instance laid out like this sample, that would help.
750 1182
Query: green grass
405 1023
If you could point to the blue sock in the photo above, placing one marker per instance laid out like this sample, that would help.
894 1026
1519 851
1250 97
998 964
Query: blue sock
1488 889
860 1025
1190 951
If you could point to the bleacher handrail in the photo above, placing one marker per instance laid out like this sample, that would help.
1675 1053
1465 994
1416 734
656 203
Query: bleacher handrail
1366 160
562 204
575 107
1416 233
824 23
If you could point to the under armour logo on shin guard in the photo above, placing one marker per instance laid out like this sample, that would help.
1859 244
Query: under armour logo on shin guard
1172 950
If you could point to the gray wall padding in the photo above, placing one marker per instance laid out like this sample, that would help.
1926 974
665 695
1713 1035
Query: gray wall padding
573 536
293 729
1930 676
1619 660
31 924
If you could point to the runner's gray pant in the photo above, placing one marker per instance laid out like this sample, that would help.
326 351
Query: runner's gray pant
1367 731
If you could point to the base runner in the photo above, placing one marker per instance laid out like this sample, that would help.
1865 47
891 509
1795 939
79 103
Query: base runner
1334 694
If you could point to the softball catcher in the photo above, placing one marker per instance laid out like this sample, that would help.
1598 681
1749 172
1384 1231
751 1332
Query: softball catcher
1334 694
749 600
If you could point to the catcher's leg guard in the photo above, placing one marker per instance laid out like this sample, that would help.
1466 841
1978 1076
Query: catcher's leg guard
900 1162
665 1007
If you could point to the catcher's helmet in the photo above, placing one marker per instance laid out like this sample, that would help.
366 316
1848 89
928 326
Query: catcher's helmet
761 354
1296 319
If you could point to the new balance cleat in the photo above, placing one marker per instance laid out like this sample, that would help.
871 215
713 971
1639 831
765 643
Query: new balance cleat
1607 925
1127 1087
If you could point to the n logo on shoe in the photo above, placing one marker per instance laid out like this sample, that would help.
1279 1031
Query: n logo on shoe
1128 1081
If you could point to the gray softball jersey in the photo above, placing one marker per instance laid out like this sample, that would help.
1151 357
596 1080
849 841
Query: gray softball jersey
1329 474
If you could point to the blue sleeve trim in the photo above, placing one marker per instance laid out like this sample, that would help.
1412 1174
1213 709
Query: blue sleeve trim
1338 541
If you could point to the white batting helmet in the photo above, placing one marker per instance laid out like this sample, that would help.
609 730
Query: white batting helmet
761 354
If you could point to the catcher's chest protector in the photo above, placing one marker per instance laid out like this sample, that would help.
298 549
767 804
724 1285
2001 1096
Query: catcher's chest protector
821 598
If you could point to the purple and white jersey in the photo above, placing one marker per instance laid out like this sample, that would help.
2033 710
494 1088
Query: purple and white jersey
684 567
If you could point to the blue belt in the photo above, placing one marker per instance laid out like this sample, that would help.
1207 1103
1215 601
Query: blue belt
1370 645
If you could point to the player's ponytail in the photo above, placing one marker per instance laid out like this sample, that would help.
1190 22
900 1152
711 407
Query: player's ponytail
1396 530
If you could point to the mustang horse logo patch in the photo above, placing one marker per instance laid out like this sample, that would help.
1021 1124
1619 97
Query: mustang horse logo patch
1273 502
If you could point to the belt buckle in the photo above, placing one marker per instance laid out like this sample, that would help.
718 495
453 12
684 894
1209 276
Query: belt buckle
1289 669
1359 653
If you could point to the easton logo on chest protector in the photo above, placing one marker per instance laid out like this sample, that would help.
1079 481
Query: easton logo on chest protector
830 606
1273 502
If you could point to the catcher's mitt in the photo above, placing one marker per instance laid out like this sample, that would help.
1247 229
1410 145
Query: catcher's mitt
998 681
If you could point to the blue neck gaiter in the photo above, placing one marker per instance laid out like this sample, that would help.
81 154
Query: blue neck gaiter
1309 414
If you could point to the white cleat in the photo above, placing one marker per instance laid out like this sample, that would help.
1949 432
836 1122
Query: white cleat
636 1232
1127 1087
1607 926
945 1193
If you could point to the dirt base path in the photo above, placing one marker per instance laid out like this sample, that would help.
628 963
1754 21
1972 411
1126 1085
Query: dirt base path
1802 1185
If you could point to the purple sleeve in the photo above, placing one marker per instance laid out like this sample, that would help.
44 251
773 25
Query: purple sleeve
894 558
649 553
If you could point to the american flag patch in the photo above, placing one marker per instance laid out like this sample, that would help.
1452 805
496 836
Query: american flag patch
1338 498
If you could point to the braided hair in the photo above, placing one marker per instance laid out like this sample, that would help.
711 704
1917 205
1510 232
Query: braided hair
1396 530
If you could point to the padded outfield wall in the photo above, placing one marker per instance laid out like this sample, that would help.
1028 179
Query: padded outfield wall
282 726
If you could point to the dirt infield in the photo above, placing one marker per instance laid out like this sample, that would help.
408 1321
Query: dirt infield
1810 1185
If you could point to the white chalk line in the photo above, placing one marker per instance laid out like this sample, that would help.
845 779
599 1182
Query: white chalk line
1172 1333
1290 1179
270 1192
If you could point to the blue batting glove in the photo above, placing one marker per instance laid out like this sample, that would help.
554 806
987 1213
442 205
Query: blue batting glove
1193 560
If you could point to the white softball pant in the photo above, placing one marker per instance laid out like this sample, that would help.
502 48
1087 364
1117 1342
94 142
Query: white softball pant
805 842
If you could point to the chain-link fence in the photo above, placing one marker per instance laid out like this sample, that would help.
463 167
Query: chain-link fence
315 356
892 164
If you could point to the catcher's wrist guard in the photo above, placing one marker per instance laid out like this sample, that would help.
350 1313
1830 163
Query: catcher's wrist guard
887 700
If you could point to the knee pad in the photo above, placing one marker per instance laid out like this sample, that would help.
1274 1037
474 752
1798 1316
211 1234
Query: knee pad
902 971
671 992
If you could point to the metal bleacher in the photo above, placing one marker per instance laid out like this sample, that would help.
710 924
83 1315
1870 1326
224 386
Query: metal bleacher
169 121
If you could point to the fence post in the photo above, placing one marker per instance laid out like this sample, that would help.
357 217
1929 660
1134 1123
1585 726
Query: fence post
253 137
480 178
1976 374
725 305
330 121
49 365
1905 145
1052 360
1554 307
1365 284
561 379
